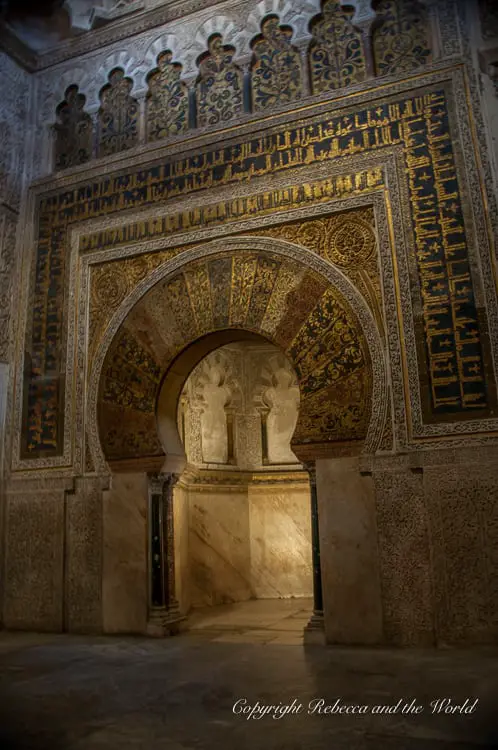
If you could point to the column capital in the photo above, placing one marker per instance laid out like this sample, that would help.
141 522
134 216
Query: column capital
364 15
244 63
162 481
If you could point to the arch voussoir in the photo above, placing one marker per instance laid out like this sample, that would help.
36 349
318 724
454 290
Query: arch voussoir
236 288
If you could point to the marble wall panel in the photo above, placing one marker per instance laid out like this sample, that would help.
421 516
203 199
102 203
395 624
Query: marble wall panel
181 524
219 547
125 554
405 561
34 560
83 609
249 541
280 539
348 552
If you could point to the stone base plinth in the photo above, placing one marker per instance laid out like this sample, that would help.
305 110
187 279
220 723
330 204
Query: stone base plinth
164 622
314 632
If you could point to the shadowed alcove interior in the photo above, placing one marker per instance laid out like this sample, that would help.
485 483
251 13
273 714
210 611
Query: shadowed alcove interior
242 510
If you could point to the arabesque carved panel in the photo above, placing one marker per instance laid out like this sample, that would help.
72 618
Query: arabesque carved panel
336 54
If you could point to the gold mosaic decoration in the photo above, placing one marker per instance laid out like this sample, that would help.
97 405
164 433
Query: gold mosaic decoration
276 68
312 323
219 89
346 239
454 353
118 115
401 41
336 55
167 100
110 284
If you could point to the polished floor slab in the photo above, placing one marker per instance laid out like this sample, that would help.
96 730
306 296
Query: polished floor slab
197 691
254 621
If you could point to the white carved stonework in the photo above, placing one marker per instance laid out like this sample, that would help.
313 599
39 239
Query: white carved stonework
282 398
236 393
216 397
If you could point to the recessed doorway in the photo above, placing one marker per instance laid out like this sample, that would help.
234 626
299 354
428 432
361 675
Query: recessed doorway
243 558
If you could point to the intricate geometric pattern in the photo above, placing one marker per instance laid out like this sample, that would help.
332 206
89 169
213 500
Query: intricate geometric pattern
455 349
336 56
7 267
132 377
118 115
167 100
402 39
347 240
73 131
320 336
219 89
276 68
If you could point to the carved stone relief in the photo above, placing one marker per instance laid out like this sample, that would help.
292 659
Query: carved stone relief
240 407
214 435
118 115
276 67
167 100
7 267
190 38
282 401
336 55
219 87
401 39
14 126
73 131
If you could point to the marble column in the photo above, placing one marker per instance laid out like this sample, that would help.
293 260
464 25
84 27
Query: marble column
192 102
164 612
142 117
314 631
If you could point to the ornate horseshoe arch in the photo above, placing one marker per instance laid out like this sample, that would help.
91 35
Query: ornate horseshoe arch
242 286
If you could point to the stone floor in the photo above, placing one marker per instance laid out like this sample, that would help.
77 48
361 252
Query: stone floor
96 693
262 621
